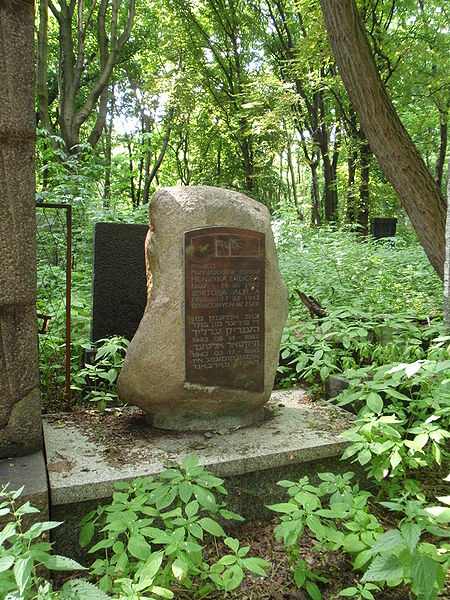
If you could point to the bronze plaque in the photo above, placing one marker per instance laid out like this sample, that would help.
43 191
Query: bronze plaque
224 278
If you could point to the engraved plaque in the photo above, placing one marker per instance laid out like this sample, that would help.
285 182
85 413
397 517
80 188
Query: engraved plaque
224 277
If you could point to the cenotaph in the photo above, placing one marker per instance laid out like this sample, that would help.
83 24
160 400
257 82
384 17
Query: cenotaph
206 350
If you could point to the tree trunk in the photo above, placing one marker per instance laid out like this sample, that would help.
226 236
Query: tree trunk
390 142
151 176
20 411
442 148
294 185
108 148
131 168
363 205
447 262
351 168
315 194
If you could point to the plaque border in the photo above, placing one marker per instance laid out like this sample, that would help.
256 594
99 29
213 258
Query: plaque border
211 230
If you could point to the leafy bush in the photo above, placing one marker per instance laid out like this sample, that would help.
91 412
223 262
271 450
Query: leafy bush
153 530
339 516
25 551
98 380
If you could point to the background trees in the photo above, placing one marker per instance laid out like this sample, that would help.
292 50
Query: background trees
248 95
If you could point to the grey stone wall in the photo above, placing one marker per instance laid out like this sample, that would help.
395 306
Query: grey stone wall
20 416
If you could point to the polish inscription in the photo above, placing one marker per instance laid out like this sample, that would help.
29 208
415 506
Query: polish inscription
224 307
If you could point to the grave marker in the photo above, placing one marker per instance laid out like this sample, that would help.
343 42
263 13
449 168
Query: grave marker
224 307
206 351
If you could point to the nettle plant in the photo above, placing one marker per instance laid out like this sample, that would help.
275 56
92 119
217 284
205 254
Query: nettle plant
348 339
338 514
98 380
155 528
404 420
25 553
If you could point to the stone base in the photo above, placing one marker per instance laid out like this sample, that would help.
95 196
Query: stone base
182 421
296 437
28 471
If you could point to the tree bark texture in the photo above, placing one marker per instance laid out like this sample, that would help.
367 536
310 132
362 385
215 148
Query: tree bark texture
447 262
20 413
390 142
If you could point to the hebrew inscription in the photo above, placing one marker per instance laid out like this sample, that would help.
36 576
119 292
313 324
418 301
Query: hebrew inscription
224 307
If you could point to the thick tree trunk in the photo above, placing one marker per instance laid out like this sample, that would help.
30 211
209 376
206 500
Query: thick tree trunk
390 142
20 411
447 262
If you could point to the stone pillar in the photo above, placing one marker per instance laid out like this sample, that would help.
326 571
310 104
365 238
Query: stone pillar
20 416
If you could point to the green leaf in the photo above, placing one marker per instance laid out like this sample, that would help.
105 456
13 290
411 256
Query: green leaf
189 461
179 569
205 498
162 592
313 590
350 591
364 456
283 507
389 540
185 490
411 534
79 589
423 572
5 563
233 577
22 572
62 563
211 526
139 547
375 402
151 567
101 545
256 565
191 509
86 533
232 543
384 568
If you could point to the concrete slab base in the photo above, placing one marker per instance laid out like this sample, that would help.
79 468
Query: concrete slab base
30 472
296 437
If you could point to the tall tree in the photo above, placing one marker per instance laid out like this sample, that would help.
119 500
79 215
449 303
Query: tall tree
75 20
390 142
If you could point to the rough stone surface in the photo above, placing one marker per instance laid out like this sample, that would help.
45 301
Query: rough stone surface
334 385
296 437
28 471
119 292
20 427
293 431
153 375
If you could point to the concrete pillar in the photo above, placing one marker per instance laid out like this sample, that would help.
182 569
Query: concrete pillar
20 414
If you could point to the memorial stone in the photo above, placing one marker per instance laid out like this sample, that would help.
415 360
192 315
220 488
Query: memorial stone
119 280
206 350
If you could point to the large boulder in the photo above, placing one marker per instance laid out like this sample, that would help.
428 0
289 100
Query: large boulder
206 351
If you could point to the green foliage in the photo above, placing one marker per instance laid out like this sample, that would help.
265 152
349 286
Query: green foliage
24 552
153 532
339 516
98 380
403 422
